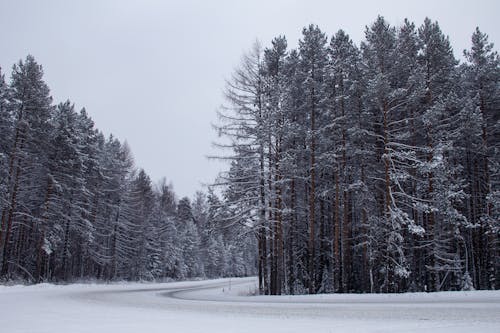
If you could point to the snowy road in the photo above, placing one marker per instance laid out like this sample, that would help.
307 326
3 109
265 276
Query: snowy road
222 306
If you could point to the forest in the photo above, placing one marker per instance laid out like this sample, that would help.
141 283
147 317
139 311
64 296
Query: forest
74 206
367 168
351 168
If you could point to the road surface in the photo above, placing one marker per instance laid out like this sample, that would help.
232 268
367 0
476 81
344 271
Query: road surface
224 306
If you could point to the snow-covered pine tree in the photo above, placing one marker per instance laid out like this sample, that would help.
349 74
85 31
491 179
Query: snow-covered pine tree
274 94
313 61
119 212
164 220
295 166
140 202
482 73
243 125
67 229
438 66
31 107
91 147
344 106
211 234
6 137
190 239
392 88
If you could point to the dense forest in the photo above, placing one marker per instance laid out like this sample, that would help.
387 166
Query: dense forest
370 168
351 168
74 207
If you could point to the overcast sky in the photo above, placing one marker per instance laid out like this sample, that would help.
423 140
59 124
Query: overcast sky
152 72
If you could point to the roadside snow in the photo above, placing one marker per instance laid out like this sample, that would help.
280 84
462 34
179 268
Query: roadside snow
223 306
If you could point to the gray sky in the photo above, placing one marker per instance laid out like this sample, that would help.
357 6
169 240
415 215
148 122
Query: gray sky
152 72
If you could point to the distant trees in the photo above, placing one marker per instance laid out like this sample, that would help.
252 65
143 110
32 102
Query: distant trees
74 206
370 169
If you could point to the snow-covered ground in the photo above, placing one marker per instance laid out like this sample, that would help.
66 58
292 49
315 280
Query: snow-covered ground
223 306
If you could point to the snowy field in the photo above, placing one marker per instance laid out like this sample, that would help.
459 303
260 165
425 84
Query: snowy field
223 306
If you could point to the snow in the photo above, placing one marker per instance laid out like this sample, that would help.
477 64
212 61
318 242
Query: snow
224 306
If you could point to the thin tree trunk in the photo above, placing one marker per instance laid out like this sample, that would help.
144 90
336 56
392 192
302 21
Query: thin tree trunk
344 241
278 221
433 282
336 241
346 258
388 199
262 232
291 240
312 199
365 228
272 229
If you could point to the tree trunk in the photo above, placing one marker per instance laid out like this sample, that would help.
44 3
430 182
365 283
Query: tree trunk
346 258
291 240
312 200
336 241
13 204
278 220
388 200
45 216
433 279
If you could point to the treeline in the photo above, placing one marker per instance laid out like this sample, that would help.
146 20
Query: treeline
371 168
73 206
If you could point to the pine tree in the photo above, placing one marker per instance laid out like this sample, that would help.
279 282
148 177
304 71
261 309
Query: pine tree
312 49
65 178
190 239
437 63
482 77
168 236
31 107
274 93
295 167
243 123
119 211
384 98
6 126
344 103
91 148
141 202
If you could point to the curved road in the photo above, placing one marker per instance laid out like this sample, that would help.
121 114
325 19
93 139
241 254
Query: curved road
224 306
214 297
